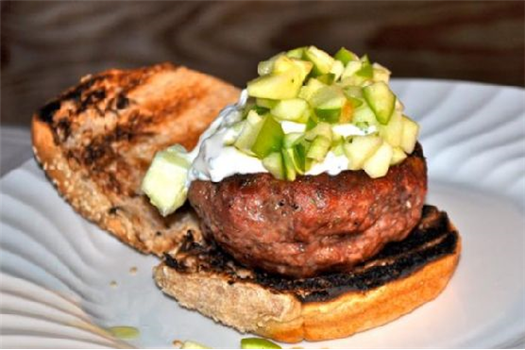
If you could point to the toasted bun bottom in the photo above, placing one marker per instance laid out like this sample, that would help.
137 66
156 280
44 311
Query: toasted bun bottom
283 316
356 312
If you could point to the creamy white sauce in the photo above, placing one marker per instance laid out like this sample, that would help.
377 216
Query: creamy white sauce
214 160
332 165
346 130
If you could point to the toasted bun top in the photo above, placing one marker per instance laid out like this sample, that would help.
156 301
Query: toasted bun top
97 139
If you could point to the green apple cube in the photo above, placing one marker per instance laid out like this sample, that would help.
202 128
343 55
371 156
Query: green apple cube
328 103
258 343
289 167
296 53
377 165
353 91
320 129
269 139
292 109
251 128
381 100
291 139
360 148
366 70
295 159
345 56
393 131
322 61
326 79
310 88
351 68
410 134
381 73
276 86
300 149
398 155
363 115
266 102
304 67
337 144
307 115
319 148
274 164
328 95
165 180
266 67
355 102
329 114
285 64
337 69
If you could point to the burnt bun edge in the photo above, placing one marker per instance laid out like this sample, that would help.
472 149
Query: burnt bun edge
292 311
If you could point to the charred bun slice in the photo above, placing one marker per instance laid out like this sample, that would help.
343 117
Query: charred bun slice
96 140
403 276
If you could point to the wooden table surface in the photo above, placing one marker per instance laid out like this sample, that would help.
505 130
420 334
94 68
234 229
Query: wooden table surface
48 46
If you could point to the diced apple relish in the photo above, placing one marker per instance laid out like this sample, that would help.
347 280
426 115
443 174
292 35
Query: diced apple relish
308 86
307 113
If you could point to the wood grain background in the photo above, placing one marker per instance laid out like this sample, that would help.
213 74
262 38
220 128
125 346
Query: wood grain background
48 46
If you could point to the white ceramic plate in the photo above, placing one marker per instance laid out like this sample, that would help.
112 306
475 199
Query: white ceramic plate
56 268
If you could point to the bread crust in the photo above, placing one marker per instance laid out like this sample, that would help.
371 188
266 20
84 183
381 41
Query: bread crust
252 307
356 312
96 140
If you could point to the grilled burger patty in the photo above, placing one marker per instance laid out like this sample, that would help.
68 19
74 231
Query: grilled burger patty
315 223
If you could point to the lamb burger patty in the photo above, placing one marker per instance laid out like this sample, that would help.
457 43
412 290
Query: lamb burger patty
314 224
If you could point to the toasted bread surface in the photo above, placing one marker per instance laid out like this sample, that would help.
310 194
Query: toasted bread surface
96 141
402 277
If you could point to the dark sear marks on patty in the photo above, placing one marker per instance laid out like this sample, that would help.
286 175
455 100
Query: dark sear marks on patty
314 224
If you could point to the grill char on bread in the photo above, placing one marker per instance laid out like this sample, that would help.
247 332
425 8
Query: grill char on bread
96 141
403 276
